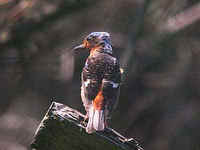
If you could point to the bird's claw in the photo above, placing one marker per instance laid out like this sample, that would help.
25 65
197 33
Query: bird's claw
84 122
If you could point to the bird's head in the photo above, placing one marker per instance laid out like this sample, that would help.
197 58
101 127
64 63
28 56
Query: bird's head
96 40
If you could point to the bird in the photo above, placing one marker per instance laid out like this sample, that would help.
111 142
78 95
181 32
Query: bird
100 80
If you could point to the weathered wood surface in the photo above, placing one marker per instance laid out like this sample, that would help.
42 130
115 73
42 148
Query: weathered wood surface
63 129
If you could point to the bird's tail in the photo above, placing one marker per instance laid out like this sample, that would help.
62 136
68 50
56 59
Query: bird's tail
96 120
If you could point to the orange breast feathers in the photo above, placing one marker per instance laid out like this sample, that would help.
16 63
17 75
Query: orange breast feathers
98 101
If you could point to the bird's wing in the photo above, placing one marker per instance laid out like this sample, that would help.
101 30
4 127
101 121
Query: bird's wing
111 84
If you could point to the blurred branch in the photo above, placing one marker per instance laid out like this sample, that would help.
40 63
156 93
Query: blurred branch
137 24
4 2
19 10
183 19
25 28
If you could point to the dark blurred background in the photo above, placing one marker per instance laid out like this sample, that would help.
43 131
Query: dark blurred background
156 41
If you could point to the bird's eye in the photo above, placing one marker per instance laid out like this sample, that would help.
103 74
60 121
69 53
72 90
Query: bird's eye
90 38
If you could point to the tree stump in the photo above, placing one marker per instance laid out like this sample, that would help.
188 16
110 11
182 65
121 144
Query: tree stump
62 128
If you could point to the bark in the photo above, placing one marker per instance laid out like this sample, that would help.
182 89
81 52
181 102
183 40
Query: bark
62 128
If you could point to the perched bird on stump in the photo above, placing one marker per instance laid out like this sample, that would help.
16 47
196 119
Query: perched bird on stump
101 79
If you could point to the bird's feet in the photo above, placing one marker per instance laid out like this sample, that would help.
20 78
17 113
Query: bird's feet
107 123
84 122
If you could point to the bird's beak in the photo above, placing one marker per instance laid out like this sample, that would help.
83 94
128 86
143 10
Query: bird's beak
79 47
